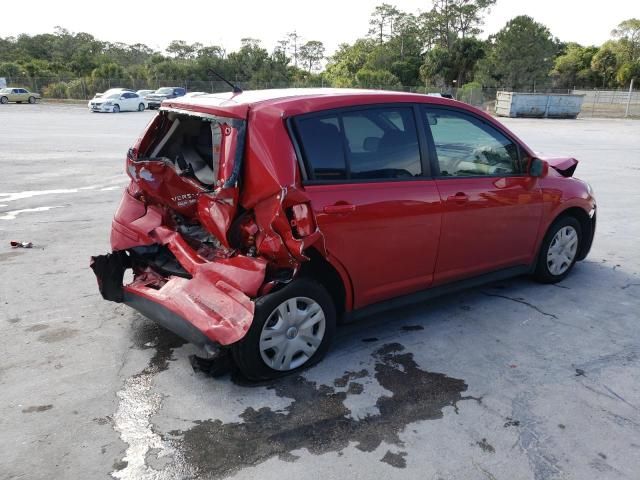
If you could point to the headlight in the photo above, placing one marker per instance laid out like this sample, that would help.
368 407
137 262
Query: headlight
589 188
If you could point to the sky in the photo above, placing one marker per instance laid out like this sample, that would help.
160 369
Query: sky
224 23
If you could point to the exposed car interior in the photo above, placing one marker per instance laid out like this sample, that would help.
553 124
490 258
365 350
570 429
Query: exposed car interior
189 144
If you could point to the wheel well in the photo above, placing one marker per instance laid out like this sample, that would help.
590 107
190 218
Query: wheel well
586 225
321 270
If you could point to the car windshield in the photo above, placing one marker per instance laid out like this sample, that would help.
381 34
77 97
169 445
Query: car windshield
113 96
5 90
164 91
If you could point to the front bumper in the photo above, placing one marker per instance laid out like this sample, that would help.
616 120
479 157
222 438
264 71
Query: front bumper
154 103
101 108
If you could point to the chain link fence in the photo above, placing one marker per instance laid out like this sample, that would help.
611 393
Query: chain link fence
610 103
597 103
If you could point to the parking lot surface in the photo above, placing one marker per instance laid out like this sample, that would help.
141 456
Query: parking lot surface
514 380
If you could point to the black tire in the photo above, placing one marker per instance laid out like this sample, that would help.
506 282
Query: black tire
4 100
246 353
32 100
542 273
116 108
141 107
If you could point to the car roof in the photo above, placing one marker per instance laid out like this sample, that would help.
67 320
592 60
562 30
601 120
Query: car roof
294 100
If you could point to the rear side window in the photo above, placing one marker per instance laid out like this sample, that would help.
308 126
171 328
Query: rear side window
367 144
382 143
322 147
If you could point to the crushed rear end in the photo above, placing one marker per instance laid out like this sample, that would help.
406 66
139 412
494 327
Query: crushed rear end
203 238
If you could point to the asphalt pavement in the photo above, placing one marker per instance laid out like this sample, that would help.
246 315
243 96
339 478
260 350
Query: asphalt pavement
513 380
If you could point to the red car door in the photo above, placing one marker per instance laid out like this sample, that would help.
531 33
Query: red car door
491 207
379 214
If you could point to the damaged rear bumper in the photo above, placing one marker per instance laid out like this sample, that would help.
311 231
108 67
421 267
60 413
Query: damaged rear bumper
200 305
171 321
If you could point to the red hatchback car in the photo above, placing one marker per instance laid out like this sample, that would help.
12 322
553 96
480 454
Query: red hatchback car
255 221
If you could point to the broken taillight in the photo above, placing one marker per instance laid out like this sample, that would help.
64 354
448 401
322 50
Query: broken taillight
135 191
301 220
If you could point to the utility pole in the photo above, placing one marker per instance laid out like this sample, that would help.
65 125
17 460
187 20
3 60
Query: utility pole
626 112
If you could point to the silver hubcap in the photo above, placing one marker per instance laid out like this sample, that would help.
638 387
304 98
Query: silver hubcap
562 250
292 333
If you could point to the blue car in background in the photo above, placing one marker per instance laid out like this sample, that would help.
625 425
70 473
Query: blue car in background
155 99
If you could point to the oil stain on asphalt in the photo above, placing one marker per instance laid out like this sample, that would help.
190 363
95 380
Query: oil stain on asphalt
137 403
318 419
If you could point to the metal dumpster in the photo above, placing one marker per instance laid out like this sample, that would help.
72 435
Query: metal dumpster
538 105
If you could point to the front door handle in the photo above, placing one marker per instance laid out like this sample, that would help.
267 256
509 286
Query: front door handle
458 198
340 208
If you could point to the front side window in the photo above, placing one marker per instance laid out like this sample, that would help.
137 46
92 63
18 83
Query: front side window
367 144
467 146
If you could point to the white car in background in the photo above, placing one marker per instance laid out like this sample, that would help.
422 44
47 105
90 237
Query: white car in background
144 93
110 91
121 101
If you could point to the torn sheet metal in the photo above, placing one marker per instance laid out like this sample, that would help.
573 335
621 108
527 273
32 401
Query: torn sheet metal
232 241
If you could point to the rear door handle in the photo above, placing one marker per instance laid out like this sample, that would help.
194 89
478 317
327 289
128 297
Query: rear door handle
340 208
459 198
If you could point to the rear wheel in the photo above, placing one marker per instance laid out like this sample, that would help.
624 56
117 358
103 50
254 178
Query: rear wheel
559 250
4 100
141 107
292 328
32 100
116 109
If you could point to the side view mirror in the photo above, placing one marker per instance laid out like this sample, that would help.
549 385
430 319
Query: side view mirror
432 119
538 168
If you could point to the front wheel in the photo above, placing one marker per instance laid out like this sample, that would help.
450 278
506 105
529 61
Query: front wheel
32 100
4 100
116 109
559 250
292 328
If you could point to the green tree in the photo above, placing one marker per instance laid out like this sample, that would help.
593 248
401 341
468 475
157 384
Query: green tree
451 19
108 71
183 50
311 54
443 67
382 21
605 63
376 79
347 61
628 32
520 55
573 67
11 70
250 59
